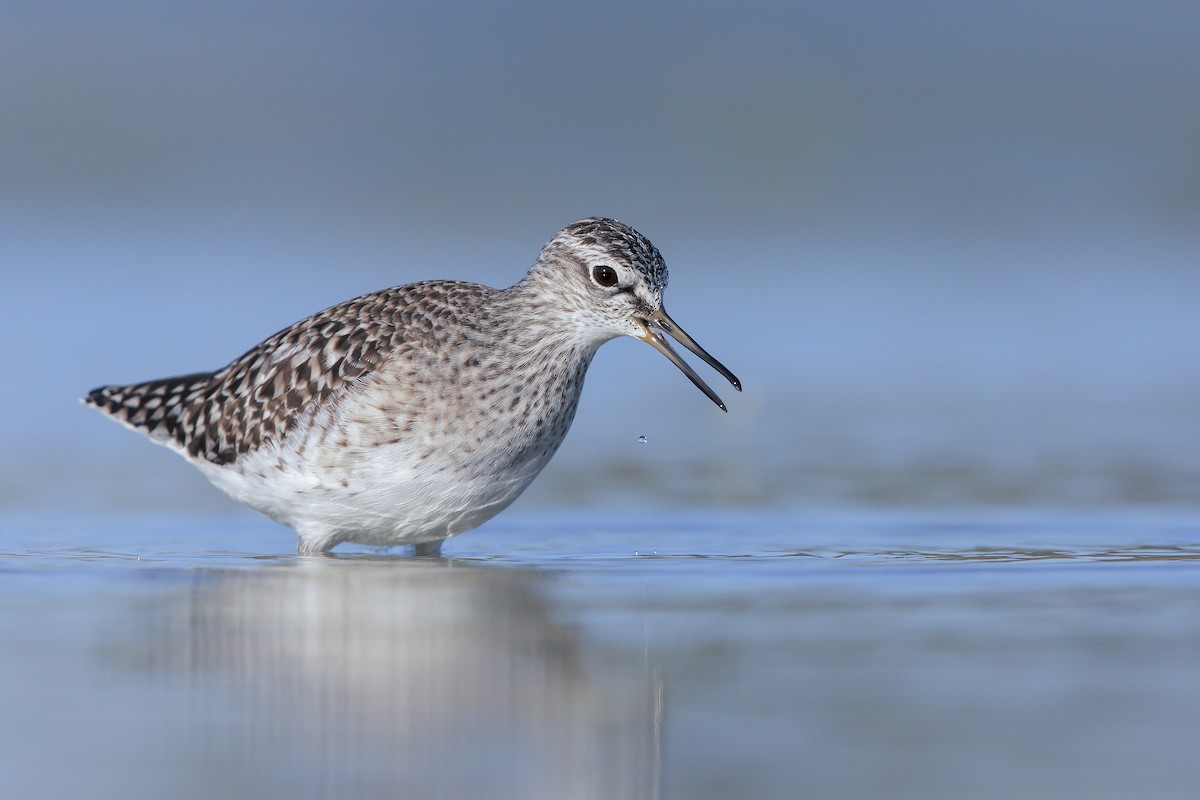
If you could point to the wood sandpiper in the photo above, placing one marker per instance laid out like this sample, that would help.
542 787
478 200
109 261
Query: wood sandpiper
412 414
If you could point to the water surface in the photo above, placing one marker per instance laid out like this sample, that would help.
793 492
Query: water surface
789 654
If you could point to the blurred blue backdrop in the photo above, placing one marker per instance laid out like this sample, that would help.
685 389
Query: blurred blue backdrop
952 250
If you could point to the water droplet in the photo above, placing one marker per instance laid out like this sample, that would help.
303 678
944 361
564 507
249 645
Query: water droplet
642 440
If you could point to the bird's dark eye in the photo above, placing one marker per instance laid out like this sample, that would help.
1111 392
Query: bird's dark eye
605 275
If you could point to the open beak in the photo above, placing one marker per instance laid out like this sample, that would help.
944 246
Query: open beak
658 323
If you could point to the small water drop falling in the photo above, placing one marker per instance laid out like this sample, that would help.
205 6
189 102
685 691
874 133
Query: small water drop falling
642 440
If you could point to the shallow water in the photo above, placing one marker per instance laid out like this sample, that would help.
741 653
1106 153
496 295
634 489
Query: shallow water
789 654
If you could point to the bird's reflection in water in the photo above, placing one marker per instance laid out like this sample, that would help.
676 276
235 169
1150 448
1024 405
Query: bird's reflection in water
344 677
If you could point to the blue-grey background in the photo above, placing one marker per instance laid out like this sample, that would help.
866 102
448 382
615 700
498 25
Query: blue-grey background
955 242
942 546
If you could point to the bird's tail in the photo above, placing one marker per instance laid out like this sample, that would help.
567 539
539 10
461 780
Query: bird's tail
155 408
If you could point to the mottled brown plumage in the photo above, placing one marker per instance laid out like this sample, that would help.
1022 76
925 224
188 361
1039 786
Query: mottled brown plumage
259 397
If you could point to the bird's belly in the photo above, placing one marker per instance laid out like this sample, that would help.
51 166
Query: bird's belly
383 496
